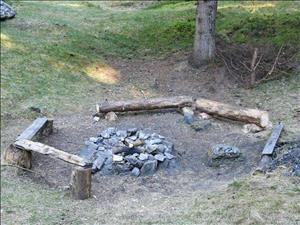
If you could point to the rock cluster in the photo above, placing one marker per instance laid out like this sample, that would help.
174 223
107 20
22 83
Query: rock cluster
6 11
133 151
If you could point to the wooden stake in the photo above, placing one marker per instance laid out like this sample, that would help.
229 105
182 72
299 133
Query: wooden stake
81 179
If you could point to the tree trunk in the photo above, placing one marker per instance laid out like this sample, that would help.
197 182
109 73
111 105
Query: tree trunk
204 42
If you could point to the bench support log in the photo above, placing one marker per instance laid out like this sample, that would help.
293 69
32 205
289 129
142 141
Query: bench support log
81 179
17 156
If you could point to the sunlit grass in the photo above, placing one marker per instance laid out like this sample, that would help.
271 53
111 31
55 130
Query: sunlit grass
103 74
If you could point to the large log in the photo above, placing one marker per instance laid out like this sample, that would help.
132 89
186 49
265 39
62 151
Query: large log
39 127
81 183
258 117
145 104
48 150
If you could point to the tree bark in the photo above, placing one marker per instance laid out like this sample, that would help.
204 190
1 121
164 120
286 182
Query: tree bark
204 42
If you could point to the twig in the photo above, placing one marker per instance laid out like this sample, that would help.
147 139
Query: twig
275 62
253 63
19 167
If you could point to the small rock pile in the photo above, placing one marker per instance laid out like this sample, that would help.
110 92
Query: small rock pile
6 11
133 151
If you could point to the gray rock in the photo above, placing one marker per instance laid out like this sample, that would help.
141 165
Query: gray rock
94 139
143 156
111 116
201 125
133 138
188 114
101 148
143 136
161 148
169 145
160 157
99 162
113 141
88 154
93 146
132 131
151 148
151 157
121 133
169 156
135 172
149 168
107 168
154 141
164 164
134 161
123 168
222 151
108 132
6 11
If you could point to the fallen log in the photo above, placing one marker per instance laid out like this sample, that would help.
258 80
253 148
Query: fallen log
258 117
145 104
48 150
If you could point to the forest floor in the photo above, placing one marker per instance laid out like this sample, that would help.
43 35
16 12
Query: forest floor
63 58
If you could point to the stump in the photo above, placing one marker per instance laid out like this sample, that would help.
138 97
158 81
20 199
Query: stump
16 156
81 183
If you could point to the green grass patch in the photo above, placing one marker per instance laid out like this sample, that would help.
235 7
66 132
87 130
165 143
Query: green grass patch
50 48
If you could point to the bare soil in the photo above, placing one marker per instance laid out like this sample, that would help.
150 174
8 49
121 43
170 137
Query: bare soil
167 77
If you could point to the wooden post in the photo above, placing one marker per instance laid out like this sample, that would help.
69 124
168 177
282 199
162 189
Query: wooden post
19 157
81 179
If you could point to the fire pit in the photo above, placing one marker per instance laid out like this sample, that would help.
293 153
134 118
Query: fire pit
135 151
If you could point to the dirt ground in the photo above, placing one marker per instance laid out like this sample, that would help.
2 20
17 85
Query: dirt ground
166 77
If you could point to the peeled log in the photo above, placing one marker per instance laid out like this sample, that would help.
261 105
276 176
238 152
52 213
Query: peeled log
27 145
258 117
146 104
81 179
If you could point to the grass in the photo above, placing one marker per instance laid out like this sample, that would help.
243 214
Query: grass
253 200
49 51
